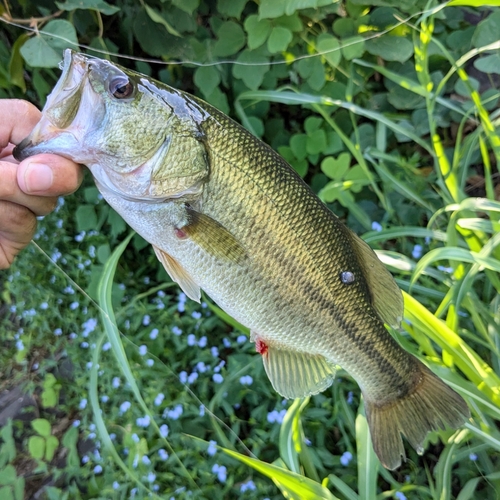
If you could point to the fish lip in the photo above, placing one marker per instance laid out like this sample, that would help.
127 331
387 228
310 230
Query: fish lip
21 151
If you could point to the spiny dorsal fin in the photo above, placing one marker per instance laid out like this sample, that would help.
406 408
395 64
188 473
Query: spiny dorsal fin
213 237
179 274
294 374
386 296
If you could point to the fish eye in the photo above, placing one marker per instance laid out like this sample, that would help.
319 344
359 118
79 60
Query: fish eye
121 87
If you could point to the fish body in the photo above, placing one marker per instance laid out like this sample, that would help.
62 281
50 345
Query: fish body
228 215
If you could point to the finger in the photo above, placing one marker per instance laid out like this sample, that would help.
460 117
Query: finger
11 192
49 175
17 227
18 119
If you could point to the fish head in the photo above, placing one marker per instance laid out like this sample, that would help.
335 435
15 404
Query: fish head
139 138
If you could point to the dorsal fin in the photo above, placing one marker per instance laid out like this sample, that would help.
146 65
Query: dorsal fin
178 274
386 296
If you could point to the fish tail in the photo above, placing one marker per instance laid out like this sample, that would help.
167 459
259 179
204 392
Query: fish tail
430 405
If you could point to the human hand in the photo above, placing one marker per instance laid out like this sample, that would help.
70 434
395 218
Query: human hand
30 188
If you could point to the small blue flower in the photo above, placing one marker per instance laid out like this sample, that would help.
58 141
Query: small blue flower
350 397
44 305
151 477
69 290
473 457
164 430
150 362
175 413
143 421
83 403
212 448
104 398
125 406
399 495
20 345
143 349
202 342
97 469
106 346
246 380
248 486
214 351
176 330
376 226
218 378
346 458
135 438
417 251
76 423
159 399
192 377
58 332
241 339
116 382
202 410
153 334
85 459
221 472
196 315
201 367
226 342
74 305
191 340
163 454
116 485
183 376
84 345
146 461
146 320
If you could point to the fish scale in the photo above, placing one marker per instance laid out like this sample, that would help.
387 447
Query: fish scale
226 214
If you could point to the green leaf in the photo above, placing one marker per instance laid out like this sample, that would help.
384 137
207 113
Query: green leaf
289 442
272 8
316 142
336 168
231 38
487 30
100 5
231 8
368 463
390 48
329 47
298 144
158 18
49 398
51 445
42 426
293 486
474 3
488 64
6 493
353 47
45 50
279 39
36 447
16 65
8 475
186 5
86 218
206 78
252 73
257 29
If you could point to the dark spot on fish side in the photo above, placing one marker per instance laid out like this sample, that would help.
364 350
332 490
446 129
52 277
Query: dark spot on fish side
180 233
347 277
261 347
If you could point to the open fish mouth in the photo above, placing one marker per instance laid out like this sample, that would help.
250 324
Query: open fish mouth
64 122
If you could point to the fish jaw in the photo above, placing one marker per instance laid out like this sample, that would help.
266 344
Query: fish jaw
65 122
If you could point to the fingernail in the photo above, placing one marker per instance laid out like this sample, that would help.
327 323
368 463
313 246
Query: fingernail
38 177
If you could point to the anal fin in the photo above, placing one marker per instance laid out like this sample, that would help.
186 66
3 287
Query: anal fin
179 274
295 374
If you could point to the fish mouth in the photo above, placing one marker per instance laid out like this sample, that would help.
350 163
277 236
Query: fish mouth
60 130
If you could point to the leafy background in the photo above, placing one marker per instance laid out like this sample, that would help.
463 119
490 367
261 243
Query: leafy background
388 110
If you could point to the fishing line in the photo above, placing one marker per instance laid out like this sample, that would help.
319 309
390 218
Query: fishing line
124 337
400 22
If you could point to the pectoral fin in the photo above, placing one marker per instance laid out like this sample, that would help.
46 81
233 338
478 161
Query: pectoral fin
295 374
213 237
179 274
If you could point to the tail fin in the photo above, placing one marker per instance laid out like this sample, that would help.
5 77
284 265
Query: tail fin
432 405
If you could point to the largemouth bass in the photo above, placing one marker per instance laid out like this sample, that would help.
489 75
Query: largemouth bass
228 215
